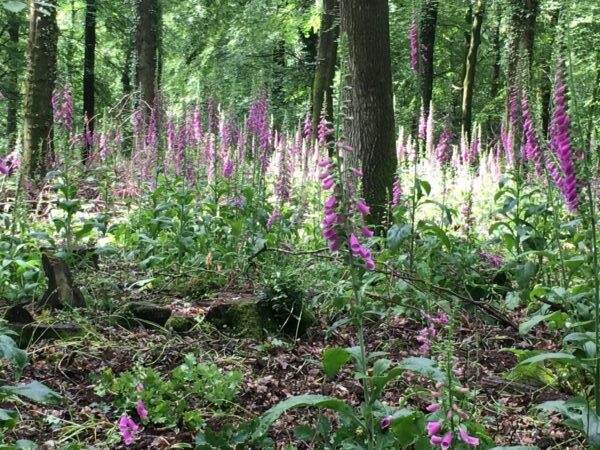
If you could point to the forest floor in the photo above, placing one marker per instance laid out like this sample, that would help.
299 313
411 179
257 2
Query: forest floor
273 370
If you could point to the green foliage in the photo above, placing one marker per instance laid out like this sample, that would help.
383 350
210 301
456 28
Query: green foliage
14 6
34 391
178 398
10 352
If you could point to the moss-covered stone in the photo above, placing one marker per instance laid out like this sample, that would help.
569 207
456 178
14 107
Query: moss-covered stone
181 324
255 319
241 317
199 286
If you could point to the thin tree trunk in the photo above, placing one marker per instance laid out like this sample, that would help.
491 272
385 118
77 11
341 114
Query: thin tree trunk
146 44
457 99
521 42
546 83
126 74
530 14
427 37
12 88
469 81
279 68
372 129
89 63
326 63
41 77
495 84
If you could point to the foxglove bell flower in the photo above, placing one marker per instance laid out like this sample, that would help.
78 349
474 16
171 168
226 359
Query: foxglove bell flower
433 407
414 45
466 438
127 427
4 169
62 107
386 422
362 207
442 151
228 169
446 441
434 428
560 142
141 409
533 151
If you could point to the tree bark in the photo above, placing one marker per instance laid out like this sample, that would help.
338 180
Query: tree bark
12 88
146 45
371 128
89 63
41 77
547 82
469 81
457 99
530 12
427 31
326 63
495 85
521 42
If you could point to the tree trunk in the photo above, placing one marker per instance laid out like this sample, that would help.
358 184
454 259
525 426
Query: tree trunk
521 41
41 77
89 63
530 12
126 74
457 99
12 86
277 79
427 40
371 129
326 62
469 81
146 45
547 82
495 85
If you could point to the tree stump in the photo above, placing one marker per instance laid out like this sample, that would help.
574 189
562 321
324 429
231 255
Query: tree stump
61 290
17 314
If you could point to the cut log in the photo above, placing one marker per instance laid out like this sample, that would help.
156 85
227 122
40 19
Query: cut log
146 314
18 315
33 332
61 290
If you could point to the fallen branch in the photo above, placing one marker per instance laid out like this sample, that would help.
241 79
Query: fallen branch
489 309
412 280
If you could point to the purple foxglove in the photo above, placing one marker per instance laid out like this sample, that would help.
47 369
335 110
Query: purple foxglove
386 422
466 438
362 208
141 409
127 427
434 428
446 441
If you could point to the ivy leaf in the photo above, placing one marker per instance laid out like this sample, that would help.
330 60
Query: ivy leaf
396 234
14 6
562 357
334 359
8 418
302 401
10 352
423 366
35 391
